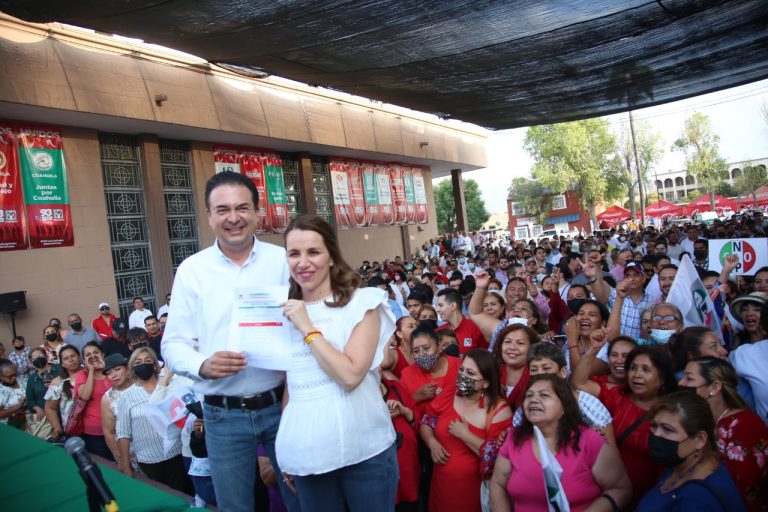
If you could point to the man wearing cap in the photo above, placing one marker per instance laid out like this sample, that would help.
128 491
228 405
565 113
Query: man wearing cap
79 334
118 343
629 295
242 403
103 323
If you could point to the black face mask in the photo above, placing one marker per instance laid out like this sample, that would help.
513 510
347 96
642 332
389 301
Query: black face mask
10 384
51 336
39 362
664 451
451 350
688 389
430 324
76 325
700 254
575 305
144 371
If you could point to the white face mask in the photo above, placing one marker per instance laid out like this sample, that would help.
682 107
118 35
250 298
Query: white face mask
517 320
662 335
540 277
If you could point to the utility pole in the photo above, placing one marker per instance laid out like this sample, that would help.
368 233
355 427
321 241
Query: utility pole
640 185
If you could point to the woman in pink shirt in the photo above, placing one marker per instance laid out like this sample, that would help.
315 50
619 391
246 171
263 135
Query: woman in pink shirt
592 469
90 385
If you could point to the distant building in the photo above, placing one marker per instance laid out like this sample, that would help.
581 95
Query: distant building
675 186
566 215
496 224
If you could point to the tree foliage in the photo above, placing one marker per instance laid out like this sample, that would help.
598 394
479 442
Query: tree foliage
446 208
531 197
576 156
752 177
702 156
649 151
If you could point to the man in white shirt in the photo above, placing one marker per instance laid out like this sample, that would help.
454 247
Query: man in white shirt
687 244
242 403
165 307
139 313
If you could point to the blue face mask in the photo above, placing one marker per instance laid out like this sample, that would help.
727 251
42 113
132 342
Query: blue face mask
471 266
661 336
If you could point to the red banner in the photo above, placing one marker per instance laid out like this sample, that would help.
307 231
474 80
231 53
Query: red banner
420 196
398 193
252 166
13 228
226 158
44 178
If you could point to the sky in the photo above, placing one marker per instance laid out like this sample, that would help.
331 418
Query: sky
736 116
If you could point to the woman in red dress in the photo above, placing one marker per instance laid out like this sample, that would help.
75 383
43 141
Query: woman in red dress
400 404
649 376
431 373
403 357
461 430
742 437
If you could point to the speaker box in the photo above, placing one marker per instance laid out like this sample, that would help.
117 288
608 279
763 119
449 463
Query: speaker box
12 302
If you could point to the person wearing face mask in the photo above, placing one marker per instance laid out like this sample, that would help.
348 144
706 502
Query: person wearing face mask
37 384
56 323
666 322
90 385
79 334
135 431
683 440
52 344
20 357
60 396
461 430
742 435
12 396
701 254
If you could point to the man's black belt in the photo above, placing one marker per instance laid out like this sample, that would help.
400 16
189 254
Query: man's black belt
258 401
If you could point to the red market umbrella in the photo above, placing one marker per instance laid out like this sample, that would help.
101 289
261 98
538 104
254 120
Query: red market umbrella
761 194
701 204
663 208
614 215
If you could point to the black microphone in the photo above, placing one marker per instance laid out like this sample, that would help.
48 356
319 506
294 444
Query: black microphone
91 473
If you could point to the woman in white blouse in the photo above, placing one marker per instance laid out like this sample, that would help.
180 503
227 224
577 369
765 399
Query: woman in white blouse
336 439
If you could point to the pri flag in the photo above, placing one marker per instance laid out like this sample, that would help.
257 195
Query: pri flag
384 194
44 179
398 193
277 201
420 196
553 474
167 410
342 203
410 195
13 228
690 296
370 194
252 165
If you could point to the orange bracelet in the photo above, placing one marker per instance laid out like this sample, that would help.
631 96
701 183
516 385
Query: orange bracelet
311 335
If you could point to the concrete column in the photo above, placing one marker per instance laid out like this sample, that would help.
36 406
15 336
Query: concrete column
157 221
458 200
308 204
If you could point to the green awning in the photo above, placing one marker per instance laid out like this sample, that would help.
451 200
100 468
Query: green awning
38 476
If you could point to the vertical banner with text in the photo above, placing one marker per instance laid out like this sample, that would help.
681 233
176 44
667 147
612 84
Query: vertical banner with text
13 228
279 217
420 196
410 195
226 159
398 193
370 194
252 166
44 179
356 194
384 194
340 187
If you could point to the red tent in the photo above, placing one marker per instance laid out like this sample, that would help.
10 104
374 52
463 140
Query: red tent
613 215
701 204
761 194
663 208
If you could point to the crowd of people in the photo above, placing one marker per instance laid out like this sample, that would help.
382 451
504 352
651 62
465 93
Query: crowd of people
470 376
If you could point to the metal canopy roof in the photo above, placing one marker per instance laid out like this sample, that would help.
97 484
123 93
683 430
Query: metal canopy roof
499 64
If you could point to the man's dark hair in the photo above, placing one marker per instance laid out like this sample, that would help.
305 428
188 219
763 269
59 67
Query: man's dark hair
136 334
425 331
456 275
137 298
658 257
452 296
150 317
417 295
375 282
668 266
424 290
230 178
467 286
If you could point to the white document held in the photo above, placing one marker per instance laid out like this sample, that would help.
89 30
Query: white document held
259 329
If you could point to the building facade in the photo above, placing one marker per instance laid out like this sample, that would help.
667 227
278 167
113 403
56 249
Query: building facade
565 215
675 186
139 125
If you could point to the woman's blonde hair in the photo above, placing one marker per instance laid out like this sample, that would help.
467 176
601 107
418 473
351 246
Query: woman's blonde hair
135 355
